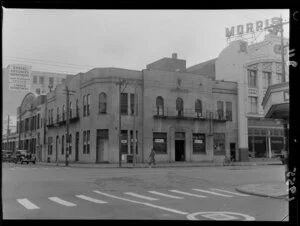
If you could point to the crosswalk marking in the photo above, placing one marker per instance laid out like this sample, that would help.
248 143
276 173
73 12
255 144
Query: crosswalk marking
166 195
140 196
90 199
189 194
211 192
230 192
27 204
62 202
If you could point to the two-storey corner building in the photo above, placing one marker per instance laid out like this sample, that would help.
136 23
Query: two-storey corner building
254 67
185 117
31 126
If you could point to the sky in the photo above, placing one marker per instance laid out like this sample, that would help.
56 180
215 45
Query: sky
73 41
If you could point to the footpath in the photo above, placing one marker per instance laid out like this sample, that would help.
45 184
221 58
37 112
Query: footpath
275 190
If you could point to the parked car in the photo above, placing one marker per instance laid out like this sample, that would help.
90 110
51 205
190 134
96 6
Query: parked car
23 156
6 156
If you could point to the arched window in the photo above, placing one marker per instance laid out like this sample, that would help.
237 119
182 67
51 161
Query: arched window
198 107
70 109
102 103
179 106
160 105
63 112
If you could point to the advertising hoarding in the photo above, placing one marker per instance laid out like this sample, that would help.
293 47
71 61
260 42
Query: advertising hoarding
19 77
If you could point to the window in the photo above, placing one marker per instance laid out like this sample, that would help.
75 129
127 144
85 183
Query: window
179 107
84 106
70 109
34 79
57 114
38 121
124 103
133 99
70 144
267 76
199 143
252 78
49 145
77 108
160 105
51 80
88 105
252 105
219 143
279 78
63 112
198 107
41 78
84 142
228 111
124 142
62 144
38 91
131 142
88 142
102 103
220 110
160 143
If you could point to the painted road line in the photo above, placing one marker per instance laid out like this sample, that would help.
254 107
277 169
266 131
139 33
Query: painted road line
140 196
189 194
27 204
213 193
13 169
166 195
90 199
62 202
144 203
230 192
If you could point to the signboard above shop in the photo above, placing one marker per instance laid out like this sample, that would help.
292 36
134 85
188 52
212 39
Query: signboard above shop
19 77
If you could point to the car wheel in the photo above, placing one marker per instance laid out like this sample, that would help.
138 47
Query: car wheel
27 163
34 162
22 162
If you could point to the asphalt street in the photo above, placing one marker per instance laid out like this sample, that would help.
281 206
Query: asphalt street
203 193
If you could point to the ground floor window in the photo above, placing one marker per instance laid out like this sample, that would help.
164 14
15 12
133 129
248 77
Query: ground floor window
199 143
277 145
160 143
257 146
131 142
124 142
219 143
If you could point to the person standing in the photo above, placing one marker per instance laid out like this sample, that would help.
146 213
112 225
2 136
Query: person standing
152 157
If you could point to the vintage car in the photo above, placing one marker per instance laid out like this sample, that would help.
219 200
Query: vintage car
24 156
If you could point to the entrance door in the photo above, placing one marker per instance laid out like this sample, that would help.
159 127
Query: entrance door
232 152
77 147
56 147
179 150
100 149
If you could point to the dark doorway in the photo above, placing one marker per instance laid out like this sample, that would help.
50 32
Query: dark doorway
77 147
232 152
179 150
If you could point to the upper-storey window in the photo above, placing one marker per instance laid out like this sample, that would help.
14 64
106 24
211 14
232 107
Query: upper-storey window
70 109
220 109
252 105
198 107
160 105
179 106
252 76
102 103
229 111
88 104
124 103
57 114
63 112
77 108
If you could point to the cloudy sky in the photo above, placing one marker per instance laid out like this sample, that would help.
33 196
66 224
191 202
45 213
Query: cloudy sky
75 41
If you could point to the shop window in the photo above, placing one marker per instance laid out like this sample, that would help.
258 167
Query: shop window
84 142
179 107
219 143
160 105
199 143
160 143
124 103
62 144
102 103
198 107
88 142
70 144
252 76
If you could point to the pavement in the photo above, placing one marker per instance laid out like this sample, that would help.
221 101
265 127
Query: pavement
271 190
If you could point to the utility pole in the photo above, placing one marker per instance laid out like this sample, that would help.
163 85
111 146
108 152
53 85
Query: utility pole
7 133
20 127
120 83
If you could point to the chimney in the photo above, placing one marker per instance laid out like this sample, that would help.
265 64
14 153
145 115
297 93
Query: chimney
174 56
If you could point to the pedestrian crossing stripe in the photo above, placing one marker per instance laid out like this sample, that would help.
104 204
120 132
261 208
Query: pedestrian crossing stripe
211 192
230 192
188 194
140 196
61 201
27 204
166 195
90 199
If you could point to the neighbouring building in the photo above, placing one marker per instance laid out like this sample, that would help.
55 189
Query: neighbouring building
254 67
184 116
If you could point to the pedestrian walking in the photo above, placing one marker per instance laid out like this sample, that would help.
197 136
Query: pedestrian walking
152 158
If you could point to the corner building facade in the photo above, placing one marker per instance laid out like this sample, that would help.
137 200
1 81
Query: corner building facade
184 116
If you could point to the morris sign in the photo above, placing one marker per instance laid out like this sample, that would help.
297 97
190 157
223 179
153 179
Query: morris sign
251 27
19 77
